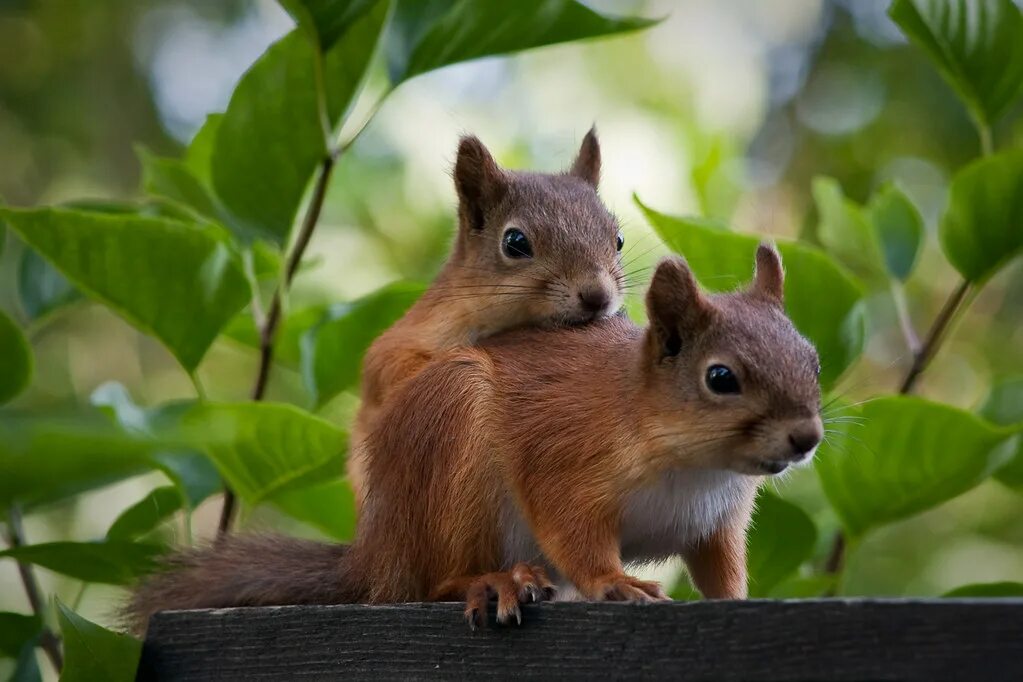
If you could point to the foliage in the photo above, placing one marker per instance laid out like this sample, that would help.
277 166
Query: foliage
182 267
209 253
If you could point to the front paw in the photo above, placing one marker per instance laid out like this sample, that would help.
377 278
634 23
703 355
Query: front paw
626 588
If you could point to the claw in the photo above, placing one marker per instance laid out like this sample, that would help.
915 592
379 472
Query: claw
473 618
530 593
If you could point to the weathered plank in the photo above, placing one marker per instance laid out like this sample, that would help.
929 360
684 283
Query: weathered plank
756 640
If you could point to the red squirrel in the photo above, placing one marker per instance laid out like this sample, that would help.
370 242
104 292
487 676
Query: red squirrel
547 458
532 249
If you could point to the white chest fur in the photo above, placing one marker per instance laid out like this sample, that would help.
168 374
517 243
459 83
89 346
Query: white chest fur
662 519
658 521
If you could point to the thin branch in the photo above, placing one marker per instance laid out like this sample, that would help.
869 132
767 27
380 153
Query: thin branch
48 640
268 331
836 557
937 331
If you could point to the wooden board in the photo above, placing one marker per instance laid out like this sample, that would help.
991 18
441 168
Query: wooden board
830 639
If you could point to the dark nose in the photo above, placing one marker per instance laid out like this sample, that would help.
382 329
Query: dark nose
805 437
594 300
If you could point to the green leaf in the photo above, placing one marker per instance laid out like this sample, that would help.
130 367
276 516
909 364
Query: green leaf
982 228
94 653
173 180
274 133
15 359
1004 406
192 472
975 45
332 351
270 139
428 35
781 538
899 228
175 280
845 230
194 475
329 507
49 457
901 455
41 287
723 259
199 155
264 448
346 64
26 668
113 562
15 630
146 514
1003 589
804 587
684 590
326 20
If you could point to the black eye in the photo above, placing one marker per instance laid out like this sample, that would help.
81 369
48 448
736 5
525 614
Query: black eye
720 379
619 241
515 245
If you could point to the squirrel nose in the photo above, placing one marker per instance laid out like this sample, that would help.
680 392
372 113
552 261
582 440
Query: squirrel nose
805 437
594 300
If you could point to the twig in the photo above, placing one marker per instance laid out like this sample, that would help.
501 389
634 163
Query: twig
268 331
48 640
934 336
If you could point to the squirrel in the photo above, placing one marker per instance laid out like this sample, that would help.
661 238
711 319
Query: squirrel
549 458
532 249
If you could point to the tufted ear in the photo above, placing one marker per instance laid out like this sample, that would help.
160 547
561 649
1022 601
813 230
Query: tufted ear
479 181
587 162
768 276
677 308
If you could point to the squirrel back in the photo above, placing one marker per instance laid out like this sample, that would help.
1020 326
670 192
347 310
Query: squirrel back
532 249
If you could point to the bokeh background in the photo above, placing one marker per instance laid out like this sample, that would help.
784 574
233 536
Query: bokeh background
726 109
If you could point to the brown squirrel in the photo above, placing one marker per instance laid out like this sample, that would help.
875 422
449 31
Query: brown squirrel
561 453
533 249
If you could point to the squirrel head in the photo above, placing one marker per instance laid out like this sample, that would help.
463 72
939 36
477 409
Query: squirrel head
734 369
542 248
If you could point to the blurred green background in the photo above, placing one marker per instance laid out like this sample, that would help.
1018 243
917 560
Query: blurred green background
726 109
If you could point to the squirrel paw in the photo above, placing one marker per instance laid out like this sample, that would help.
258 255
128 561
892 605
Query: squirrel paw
522 584
626 588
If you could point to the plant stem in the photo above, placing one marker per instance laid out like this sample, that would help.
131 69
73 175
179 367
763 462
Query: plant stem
987 146
934 336
921 359
271 322
48 640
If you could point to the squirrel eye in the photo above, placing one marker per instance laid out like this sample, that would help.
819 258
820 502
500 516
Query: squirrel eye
619 241
722 380
515 245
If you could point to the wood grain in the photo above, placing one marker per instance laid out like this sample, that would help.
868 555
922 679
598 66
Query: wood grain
831 639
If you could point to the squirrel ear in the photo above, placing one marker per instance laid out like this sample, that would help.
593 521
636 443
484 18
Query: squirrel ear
587 162
768 276
479 181
676 307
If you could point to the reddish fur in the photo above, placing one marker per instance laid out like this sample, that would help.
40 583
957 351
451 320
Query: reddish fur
564 428
478 293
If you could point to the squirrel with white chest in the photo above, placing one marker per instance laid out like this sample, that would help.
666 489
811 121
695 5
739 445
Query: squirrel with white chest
546 457
532 249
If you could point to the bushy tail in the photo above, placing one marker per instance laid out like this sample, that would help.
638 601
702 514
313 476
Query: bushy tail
246 570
